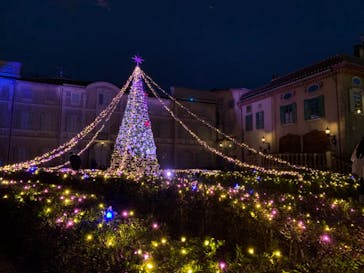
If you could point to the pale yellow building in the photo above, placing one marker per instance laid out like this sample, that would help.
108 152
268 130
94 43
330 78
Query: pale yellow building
316 109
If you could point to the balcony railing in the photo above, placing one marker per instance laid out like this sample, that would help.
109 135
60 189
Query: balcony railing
320 161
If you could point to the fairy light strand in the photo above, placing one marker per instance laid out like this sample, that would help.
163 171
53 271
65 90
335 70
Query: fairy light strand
75 140
211 149
240 144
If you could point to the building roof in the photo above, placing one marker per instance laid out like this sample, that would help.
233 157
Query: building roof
303 73
57 81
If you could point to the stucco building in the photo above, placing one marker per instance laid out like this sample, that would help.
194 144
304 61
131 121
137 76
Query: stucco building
41 114
316 109
316 112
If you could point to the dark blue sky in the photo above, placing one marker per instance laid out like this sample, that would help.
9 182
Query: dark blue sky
194 43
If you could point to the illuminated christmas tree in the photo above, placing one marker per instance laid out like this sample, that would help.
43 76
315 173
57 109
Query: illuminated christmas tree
135 151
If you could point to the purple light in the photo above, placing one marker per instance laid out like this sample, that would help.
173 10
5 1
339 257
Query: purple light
168 173
125 213
324 238
137 59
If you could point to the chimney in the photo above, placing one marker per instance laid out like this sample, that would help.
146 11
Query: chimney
359 49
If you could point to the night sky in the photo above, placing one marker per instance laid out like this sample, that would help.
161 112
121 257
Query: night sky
201 44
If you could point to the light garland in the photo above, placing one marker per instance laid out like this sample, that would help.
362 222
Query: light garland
303 218
105 114
213 150
135 151
240 144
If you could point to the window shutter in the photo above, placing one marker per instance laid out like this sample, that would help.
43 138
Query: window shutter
307 109
249 122
321 104
282 108
262 120
352 104
294 113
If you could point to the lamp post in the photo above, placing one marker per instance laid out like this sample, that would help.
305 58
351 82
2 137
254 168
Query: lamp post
225 145
332 138
264 142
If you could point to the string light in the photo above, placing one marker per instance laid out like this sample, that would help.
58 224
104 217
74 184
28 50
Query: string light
59 151
240 144
135 151
211 149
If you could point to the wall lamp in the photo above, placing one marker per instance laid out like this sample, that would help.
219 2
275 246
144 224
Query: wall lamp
332 138
266 143
225 144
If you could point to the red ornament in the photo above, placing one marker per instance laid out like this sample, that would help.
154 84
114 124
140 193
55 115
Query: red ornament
147 123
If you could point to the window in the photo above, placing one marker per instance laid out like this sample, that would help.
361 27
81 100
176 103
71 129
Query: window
314 108
101 98
4 92
73 98
313 88
356 81
48 122
73 122
288 113
248 122
4 114
356 101
25 120
287 95
259 120
104 99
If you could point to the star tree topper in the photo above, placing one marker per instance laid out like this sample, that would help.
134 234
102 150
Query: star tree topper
138 60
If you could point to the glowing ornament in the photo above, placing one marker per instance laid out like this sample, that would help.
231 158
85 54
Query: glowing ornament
251 251
222 265
109 214
32 169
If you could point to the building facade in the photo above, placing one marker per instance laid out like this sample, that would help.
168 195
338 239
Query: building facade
38 115
313 110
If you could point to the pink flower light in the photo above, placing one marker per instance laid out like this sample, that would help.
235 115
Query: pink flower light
222 265
125 213
325 238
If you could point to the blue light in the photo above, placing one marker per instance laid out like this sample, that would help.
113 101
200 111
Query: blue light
251 192
32 169
109 214
191 99
236 186
259 178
